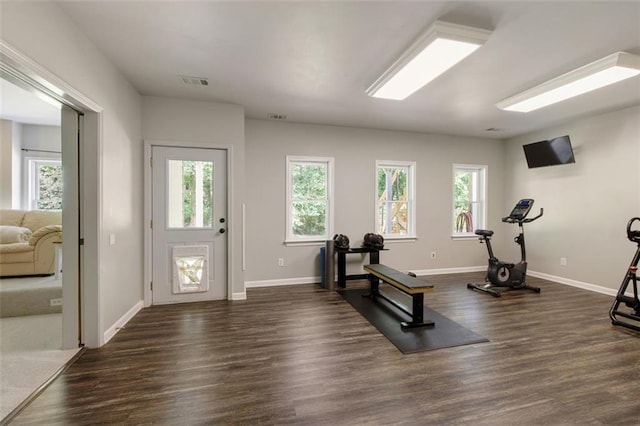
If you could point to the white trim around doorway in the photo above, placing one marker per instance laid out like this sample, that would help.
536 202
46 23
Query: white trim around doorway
40 79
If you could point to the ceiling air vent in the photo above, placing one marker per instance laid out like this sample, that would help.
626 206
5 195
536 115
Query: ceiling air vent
274 116
198 81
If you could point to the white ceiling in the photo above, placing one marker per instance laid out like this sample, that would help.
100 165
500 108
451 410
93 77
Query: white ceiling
312 61
22 106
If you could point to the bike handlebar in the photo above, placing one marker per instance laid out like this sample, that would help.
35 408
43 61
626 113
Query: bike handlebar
509 219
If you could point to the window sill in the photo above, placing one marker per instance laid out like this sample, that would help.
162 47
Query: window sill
295 243
464 237
399 239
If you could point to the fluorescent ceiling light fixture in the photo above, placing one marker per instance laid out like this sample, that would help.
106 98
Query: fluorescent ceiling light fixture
605 71
439 48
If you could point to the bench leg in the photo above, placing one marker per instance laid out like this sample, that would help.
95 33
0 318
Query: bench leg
417 319
374 285
342 269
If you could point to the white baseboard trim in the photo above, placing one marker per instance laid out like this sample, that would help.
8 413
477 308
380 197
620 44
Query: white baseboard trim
122 321
574 283
426 272
442 271
239 296
554 278
284 281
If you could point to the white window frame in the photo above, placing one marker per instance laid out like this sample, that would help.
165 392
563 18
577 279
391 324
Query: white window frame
411 202
30 176
479 206
290 238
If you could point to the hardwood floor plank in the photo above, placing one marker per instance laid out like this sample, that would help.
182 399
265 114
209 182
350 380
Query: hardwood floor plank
300 355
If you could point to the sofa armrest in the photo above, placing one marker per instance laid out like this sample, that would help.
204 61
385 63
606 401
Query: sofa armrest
44 231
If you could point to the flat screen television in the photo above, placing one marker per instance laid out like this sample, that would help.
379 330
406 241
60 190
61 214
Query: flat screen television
549 153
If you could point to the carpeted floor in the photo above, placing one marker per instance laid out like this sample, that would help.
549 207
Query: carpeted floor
23 296
29 355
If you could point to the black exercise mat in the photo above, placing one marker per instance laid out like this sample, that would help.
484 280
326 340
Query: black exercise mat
386 319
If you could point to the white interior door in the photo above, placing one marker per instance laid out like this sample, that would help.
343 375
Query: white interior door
189 213
71 229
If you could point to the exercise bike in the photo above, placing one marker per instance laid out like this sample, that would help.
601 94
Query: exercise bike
502 276
632 303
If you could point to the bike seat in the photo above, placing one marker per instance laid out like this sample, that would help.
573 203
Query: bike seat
484 232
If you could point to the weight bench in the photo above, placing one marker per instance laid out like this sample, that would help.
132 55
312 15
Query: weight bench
405 283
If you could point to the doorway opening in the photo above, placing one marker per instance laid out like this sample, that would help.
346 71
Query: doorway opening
46 204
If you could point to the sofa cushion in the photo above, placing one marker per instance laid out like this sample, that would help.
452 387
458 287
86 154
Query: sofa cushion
11 217
36 219
55 231
15 253
14 234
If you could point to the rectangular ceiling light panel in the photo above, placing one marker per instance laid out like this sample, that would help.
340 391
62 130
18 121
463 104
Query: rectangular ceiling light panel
439 48
606 71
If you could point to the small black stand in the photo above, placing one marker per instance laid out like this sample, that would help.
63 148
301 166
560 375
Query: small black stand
374 258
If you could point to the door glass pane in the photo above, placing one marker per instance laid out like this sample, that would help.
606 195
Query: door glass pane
190 194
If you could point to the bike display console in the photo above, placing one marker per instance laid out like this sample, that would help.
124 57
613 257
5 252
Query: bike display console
520 211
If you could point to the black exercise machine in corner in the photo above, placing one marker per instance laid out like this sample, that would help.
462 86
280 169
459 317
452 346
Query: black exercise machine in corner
631 314
503 275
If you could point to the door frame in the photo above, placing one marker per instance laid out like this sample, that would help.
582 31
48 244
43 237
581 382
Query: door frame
84 314
148 213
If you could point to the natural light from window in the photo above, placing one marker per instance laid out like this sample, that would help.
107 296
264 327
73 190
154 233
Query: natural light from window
395 198
469 199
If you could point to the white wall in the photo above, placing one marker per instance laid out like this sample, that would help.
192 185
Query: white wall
587 204
36 141
47 138
10 164
215 124
41 31
16 167
355 152
6 169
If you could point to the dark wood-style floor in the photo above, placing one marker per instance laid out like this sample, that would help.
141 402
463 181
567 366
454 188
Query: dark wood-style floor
301 355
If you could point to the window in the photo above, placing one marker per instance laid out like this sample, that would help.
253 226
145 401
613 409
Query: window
469 198
395 199
190 194
44 184
309 199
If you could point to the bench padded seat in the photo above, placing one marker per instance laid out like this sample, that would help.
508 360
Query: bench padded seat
408 284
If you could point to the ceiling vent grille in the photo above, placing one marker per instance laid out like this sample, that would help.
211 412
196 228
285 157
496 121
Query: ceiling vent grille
275 116
198 81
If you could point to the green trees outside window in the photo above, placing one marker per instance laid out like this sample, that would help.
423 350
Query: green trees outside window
393 198
309 199
309 209
44 184
197 193
50 186
469 188
462 202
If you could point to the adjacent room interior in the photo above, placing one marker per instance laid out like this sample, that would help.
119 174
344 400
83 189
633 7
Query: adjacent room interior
31 302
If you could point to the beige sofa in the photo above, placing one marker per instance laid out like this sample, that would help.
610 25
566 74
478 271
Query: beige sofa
27 241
